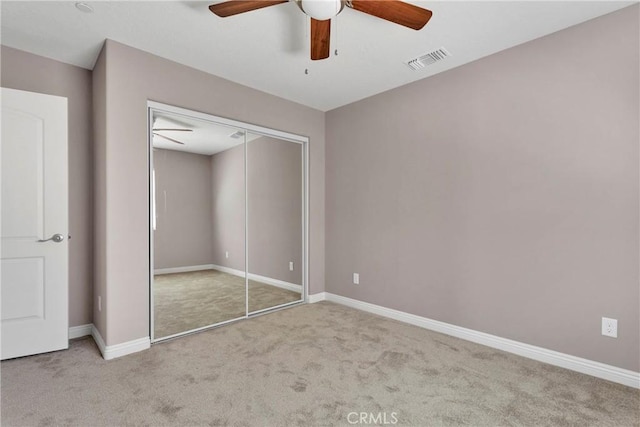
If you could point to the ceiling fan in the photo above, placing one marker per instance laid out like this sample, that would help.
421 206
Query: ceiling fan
156 130
321 12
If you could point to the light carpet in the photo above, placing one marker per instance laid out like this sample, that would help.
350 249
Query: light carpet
186 301
311 365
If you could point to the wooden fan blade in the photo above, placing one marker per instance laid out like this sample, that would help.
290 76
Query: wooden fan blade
320 35
172 130
234 7
395 11
167 138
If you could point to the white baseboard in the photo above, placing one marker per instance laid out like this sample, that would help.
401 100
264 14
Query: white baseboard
262 279
228 270
275 282
183 269
80 331
578 364
98 339
320 296
118 350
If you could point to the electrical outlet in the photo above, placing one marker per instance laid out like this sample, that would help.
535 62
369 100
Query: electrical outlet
356 279
99 303
610 327
290 265
226 254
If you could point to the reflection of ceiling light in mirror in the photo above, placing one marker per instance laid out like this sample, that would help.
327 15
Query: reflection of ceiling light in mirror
83 7
237 135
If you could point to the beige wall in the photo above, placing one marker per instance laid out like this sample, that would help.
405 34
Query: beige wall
132 78
183 209
502 195
25 71
228 208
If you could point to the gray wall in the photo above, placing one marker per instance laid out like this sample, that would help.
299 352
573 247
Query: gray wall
25 71
228 207
500 196
183 209
274 187
132 77
100 119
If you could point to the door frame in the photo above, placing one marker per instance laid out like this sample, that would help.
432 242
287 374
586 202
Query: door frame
153 107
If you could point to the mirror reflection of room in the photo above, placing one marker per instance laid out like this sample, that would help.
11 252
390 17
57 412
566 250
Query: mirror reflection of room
204 201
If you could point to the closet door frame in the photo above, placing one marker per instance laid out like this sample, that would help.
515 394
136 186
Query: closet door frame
158 107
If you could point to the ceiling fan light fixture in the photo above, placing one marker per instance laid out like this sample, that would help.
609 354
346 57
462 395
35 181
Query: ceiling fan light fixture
321 9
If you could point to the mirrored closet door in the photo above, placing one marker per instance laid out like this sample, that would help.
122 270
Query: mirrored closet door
275 221
227 214
198 205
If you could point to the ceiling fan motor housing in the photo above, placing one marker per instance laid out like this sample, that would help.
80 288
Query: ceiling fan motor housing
321 9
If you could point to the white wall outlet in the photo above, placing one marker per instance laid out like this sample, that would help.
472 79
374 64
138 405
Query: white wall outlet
226 254
356 279
290 265
610 327
99 303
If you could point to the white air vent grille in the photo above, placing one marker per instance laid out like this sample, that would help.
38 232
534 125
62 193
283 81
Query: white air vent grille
237 135
428 59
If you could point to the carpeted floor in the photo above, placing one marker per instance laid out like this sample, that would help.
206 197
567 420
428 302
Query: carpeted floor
310 365
186 301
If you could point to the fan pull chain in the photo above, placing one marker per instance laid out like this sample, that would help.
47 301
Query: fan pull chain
335 30
307 30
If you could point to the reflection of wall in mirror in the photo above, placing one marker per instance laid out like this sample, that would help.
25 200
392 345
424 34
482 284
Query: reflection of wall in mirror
228 207
274 183
182 237
274 174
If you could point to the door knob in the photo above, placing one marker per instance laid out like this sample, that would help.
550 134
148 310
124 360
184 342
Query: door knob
56 238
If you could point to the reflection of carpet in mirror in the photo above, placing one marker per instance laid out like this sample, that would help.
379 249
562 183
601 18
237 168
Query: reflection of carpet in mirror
185 301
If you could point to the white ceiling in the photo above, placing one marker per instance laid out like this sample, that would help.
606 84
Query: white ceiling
268 49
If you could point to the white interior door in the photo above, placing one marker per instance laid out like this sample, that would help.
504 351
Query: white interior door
34 250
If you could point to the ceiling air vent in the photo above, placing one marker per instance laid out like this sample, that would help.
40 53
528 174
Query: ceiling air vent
237 135
428 58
